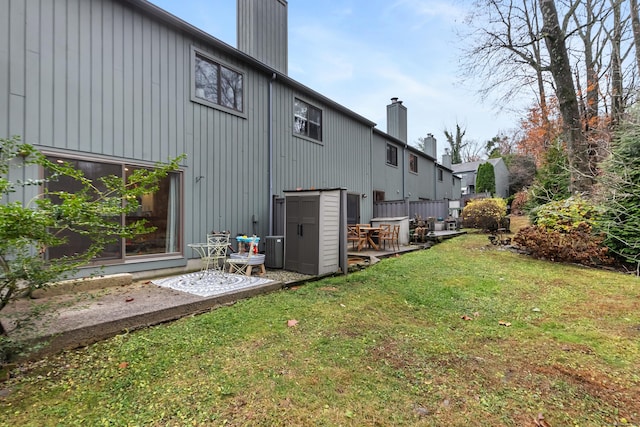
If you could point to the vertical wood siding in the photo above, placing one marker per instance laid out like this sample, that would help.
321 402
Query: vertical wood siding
341 160
101 79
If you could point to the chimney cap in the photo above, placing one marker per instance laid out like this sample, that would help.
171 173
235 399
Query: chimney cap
394 99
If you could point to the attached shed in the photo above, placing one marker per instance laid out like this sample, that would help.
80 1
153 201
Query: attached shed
314 220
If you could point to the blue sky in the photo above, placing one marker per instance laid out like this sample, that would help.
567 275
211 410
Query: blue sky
361 53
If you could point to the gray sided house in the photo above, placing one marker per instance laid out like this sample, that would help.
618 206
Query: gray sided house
114 85
468 173
402 172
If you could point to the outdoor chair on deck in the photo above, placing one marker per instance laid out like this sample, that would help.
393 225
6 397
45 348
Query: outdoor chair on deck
384 234
353 235
362 236
244 261
389 234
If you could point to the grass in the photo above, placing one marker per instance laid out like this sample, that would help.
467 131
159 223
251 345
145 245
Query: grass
386 346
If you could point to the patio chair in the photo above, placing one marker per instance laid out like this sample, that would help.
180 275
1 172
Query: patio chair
243 262
216 251
352 235
384 235
362 235
390 234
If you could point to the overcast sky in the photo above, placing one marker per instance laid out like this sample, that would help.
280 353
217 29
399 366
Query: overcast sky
361 53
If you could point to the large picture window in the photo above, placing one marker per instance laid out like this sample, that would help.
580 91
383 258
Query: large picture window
307 120
160 209
217 84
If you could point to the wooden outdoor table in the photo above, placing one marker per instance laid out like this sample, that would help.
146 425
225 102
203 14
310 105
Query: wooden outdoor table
371 231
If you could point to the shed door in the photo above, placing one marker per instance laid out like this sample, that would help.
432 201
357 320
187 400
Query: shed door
302 234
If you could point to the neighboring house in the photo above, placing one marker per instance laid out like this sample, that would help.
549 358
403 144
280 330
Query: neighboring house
114 85
468 173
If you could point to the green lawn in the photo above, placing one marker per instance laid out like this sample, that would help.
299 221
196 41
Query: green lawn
387 346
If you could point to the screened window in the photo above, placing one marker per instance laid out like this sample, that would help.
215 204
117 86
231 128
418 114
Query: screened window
307 120
217 84
392 155
160 209
413 163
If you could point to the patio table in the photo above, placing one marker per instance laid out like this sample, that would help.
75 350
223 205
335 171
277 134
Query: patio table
371 231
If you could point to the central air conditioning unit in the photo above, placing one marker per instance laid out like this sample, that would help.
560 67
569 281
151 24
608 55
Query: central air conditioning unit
274 252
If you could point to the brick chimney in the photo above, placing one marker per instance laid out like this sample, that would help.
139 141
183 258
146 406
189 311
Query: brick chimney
397 120
263 32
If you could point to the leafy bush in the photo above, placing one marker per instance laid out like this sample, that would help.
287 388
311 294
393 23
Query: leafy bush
564 232
485 214
578 245
565 215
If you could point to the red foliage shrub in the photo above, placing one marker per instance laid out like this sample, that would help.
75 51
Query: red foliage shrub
579 245
518 203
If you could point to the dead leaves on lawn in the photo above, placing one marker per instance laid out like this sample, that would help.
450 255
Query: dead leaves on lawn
466 317
539 421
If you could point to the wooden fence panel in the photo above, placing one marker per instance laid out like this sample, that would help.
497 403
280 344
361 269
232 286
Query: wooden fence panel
424 208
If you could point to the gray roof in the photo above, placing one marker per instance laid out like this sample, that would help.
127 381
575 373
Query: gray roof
473 166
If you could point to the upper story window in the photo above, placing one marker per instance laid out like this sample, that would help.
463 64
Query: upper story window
216 84
307 120
392 155
440 175
413 163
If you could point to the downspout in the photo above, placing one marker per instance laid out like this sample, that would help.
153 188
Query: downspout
405 198
435 180
270 166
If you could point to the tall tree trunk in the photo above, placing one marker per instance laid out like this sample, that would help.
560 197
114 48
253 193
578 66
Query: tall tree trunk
533 26
581 175
635 24
617 104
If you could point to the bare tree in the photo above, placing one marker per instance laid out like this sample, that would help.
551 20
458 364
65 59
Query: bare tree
472 151
635 24
560 68
456 143
617 107
506 51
